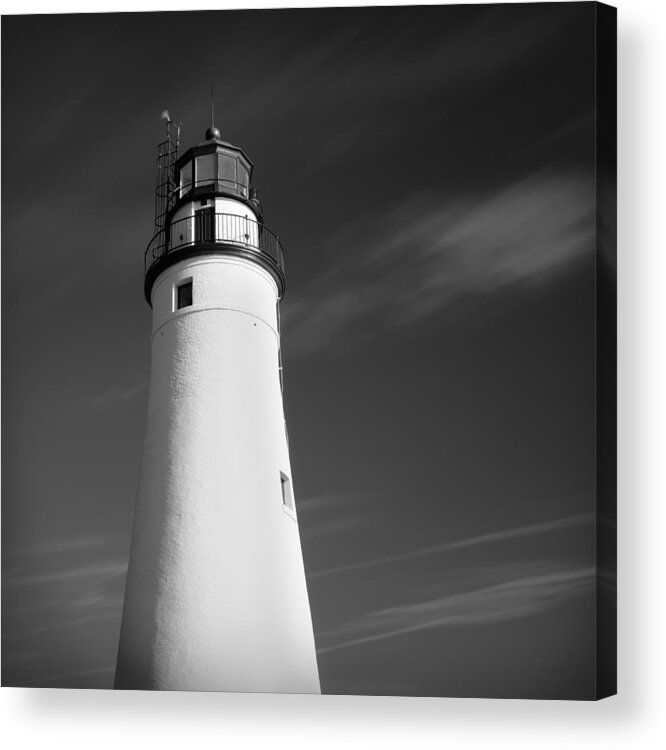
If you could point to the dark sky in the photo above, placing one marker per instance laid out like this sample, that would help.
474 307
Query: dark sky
430 172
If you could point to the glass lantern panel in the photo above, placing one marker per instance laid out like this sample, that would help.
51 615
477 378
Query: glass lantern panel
185 178
227 173
205 170
243 180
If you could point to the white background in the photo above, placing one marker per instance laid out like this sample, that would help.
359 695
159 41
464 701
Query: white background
633 719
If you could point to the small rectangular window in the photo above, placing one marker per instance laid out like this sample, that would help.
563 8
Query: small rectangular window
287 494
184 295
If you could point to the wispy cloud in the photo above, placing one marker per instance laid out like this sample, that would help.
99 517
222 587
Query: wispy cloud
98 572
57 595
461 55
58 677
437 549
422 256
65 545
114 396
331 501
512 599
333 514
69 624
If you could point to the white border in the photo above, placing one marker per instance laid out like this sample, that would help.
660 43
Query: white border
31 718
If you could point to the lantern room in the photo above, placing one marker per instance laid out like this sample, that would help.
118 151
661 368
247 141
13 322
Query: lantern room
213 167
205 206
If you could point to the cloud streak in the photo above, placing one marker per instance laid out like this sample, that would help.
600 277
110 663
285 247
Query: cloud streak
114 396
107 670
98 573
61 596
433 251
513 599
436 549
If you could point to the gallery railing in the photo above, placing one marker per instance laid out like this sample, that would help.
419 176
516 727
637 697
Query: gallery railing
212 228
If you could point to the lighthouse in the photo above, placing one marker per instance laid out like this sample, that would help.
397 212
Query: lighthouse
216 595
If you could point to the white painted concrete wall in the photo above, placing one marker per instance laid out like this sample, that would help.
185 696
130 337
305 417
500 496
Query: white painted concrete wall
216 596
226 227
222 206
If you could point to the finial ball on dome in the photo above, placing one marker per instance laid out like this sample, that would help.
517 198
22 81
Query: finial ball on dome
212 134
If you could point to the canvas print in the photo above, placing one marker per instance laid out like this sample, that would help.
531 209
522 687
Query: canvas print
308 351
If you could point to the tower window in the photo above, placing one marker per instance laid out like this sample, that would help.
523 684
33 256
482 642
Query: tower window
184 295
287 494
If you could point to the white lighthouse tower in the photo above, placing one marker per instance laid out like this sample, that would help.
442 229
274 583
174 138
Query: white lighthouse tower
216 596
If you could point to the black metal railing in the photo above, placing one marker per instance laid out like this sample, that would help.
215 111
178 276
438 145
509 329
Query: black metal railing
206 227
